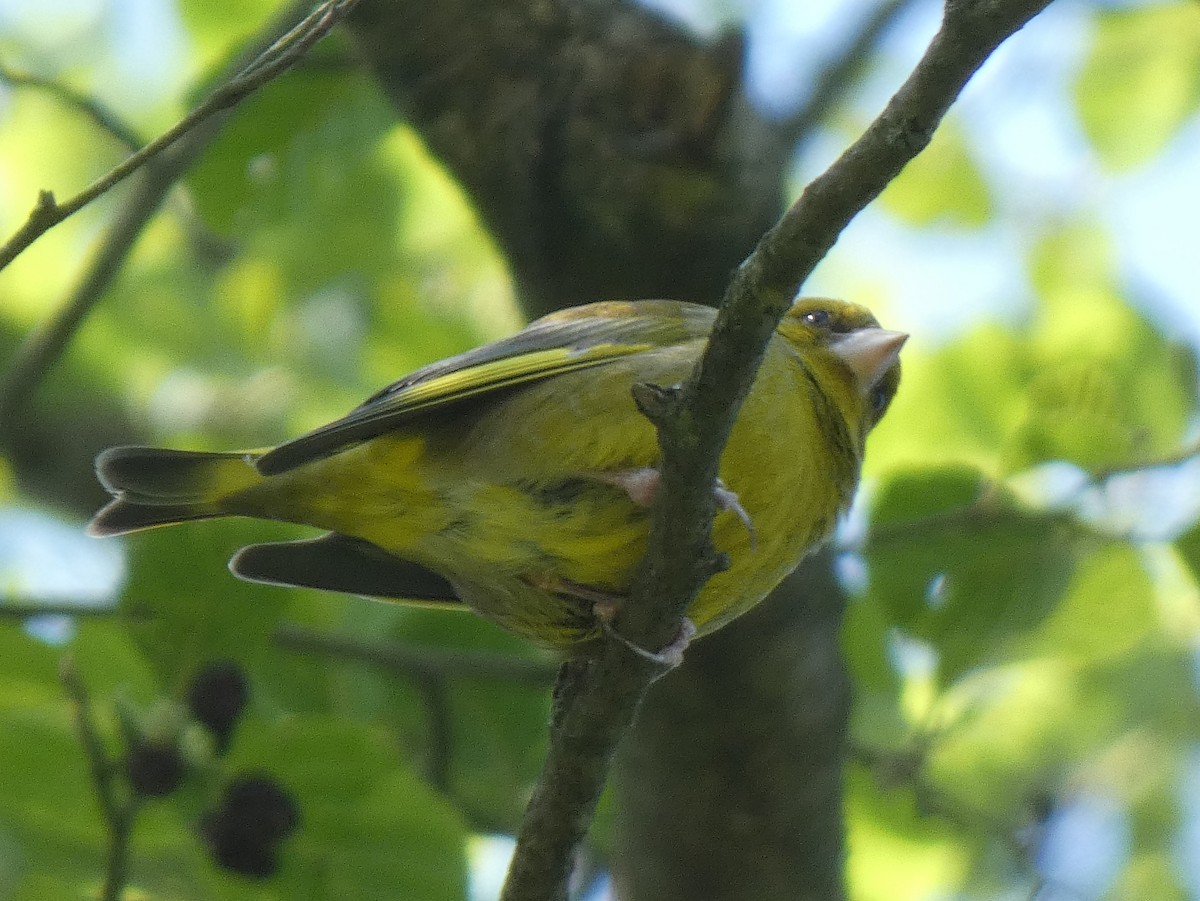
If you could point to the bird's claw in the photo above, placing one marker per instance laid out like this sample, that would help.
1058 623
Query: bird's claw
727 499
668 657
641 486
605 607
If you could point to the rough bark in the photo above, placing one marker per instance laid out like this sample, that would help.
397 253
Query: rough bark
609 153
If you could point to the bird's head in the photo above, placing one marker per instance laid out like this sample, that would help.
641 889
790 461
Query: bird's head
854 361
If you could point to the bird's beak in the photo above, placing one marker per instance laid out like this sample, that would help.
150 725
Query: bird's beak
870 353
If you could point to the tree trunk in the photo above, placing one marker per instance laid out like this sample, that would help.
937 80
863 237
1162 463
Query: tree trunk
730 782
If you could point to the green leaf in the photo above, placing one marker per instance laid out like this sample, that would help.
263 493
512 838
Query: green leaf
864 642
899 854
1150 687
956 405
1088 380
304 147
480 737
1154 875
941 186
1106 388
187 608
1141 81
967 569
918 494
219 27
1014 740
1107 609
877 718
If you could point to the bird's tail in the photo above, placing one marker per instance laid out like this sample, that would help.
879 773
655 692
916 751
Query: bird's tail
156 487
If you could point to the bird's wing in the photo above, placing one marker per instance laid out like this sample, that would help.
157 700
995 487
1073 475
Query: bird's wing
337 562
573 339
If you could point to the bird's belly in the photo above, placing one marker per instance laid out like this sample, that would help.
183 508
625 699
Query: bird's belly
578 530
535 559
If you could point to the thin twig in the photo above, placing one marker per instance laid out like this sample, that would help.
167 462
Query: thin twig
440 719
597 699
418 662
119 813
38 352
27 608
101 764
994 502
47 212
906 767
838 75
35 356
1185 454
109 121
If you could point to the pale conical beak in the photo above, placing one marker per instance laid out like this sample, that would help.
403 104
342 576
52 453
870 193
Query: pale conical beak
869 352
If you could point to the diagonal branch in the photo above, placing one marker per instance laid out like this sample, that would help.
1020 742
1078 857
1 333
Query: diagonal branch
48 212
164 161
596 699
838 74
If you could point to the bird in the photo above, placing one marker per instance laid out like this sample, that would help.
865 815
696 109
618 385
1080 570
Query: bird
518 479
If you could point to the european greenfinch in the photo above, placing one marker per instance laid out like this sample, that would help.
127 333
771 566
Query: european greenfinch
517 478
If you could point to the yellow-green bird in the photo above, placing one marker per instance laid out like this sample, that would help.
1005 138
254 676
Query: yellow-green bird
516 478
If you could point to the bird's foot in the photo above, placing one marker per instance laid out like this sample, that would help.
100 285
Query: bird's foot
605 607
641 485
668 657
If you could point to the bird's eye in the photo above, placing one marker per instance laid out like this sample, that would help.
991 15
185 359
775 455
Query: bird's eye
879 400
817 318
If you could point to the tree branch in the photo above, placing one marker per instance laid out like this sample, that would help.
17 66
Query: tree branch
596 699
30 607
416 662
47 212
163 162
119 813
838 74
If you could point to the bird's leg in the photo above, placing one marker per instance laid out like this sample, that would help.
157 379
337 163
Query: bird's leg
605 607
598 597
641 485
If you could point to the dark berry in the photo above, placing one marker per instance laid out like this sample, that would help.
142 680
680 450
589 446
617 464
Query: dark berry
154 769
261 804
244 832
235 851
216 697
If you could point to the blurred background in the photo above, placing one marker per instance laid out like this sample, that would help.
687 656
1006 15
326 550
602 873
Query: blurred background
1024 617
